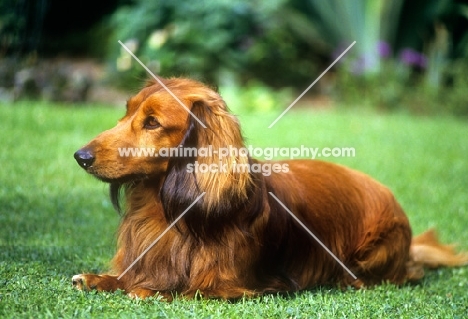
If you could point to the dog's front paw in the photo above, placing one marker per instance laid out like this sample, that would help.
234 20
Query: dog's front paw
97 282
79 282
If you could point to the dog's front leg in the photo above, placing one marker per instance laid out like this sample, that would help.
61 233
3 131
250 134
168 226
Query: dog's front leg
110 283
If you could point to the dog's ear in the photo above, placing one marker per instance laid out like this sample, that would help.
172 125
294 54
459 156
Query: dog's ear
219 169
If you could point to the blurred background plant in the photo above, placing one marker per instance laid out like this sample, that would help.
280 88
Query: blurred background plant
410 55
422 56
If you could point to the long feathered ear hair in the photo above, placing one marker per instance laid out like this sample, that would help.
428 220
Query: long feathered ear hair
226 184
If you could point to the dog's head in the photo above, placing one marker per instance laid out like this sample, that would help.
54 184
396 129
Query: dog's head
157 122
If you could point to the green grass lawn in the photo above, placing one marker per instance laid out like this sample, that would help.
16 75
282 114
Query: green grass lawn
56 221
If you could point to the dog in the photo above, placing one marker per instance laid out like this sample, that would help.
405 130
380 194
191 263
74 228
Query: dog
232 235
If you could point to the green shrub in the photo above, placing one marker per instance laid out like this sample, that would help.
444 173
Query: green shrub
209 39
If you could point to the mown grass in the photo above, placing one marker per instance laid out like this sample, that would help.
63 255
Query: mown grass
55 221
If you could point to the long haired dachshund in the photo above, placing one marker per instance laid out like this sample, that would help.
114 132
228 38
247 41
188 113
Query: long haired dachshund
237 239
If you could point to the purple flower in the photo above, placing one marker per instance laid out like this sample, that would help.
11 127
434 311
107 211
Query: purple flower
384 49
411 57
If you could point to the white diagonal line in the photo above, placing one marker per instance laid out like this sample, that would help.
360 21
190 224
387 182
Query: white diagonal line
310 86
315 237
162 84
160 236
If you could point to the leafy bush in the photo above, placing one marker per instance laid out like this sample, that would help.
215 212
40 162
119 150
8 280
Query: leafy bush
194 38
211 39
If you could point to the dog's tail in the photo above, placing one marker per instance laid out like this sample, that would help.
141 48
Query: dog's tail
427 251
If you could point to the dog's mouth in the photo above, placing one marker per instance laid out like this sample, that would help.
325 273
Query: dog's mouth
115 176
124 179
86 159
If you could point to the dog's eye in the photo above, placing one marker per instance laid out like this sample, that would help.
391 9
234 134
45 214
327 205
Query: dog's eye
151 123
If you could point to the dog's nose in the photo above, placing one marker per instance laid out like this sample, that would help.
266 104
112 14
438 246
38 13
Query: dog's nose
84 157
